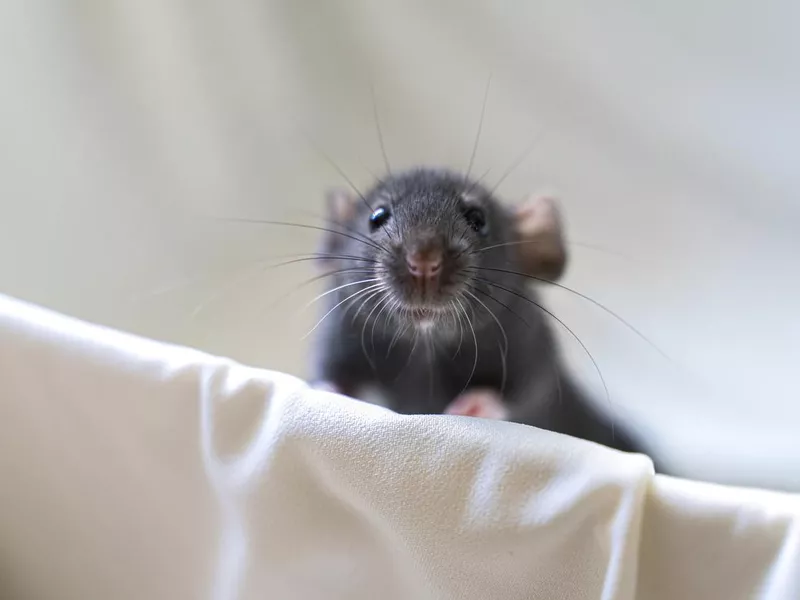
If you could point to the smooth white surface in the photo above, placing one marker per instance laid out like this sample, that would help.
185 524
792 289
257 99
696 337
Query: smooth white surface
671 131
132 469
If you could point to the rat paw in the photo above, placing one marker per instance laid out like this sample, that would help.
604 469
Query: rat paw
325 386
479 402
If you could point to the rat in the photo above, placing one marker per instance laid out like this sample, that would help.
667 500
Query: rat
433 305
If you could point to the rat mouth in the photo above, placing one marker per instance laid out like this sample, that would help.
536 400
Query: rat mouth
428 305
428 311
441 317
427 300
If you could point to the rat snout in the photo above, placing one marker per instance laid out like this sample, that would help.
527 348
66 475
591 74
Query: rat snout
424 264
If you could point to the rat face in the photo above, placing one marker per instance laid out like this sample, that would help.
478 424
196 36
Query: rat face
427 249
430 227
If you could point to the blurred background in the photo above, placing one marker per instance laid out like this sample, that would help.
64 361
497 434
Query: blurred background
671 131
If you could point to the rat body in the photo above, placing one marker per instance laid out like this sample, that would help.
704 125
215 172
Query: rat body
432 305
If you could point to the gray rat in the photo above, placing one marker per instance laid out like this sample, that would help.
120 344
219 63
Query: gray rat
432 305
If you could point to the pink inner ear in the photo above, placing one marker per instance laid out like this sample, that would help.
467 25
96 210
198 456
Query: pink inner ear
538 224
341 205
483 403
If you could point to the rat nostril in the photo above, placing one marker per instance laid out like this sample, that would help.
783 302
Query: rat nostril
424 265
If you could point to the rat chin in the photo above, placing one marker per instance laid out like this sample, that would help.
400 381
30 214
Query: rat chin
428 311
438 317
425 325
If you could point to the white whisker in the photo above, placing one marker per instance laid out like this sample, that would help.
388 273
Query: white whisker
474 340
338 304
396 338
364 303
410 355
457 317
337 288
378 318
364 329
504 347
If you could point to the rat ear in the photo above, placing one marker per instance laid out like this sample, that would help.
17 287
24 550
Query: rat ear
541 251
340 205
340 208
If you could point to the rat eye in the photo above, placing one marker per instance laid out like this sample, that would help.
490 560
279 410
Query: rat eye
477 220
379 218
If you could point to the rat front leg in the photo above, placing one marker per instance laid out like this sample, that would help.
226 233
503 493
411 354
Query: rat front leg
336 381
339 365
485 403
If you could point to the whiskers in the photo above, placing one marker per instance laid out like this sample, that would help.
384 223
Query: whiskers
363 291
357 264
341 287
502 347
474 341
347 233
586 297
375 295
558 320
588 246
385 297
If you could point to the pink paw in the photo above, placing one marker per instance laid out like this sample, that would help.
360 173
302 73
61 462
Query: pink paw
326 386
479 402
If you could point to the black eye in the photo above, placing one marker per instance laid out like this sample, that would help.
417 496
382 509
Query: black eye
477 220
379 218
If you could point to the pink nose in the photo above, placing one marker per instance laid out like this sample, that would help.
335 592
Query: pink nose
424 265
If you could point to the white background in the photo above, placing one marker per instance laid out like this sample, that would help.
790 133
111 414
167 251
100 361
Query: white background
671 132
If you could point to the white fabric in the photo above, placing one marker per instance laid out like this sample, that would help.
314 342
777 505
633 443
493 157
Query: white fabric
133 469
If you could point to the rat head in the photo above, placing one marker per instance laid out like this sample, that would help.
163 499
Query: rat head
428 245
